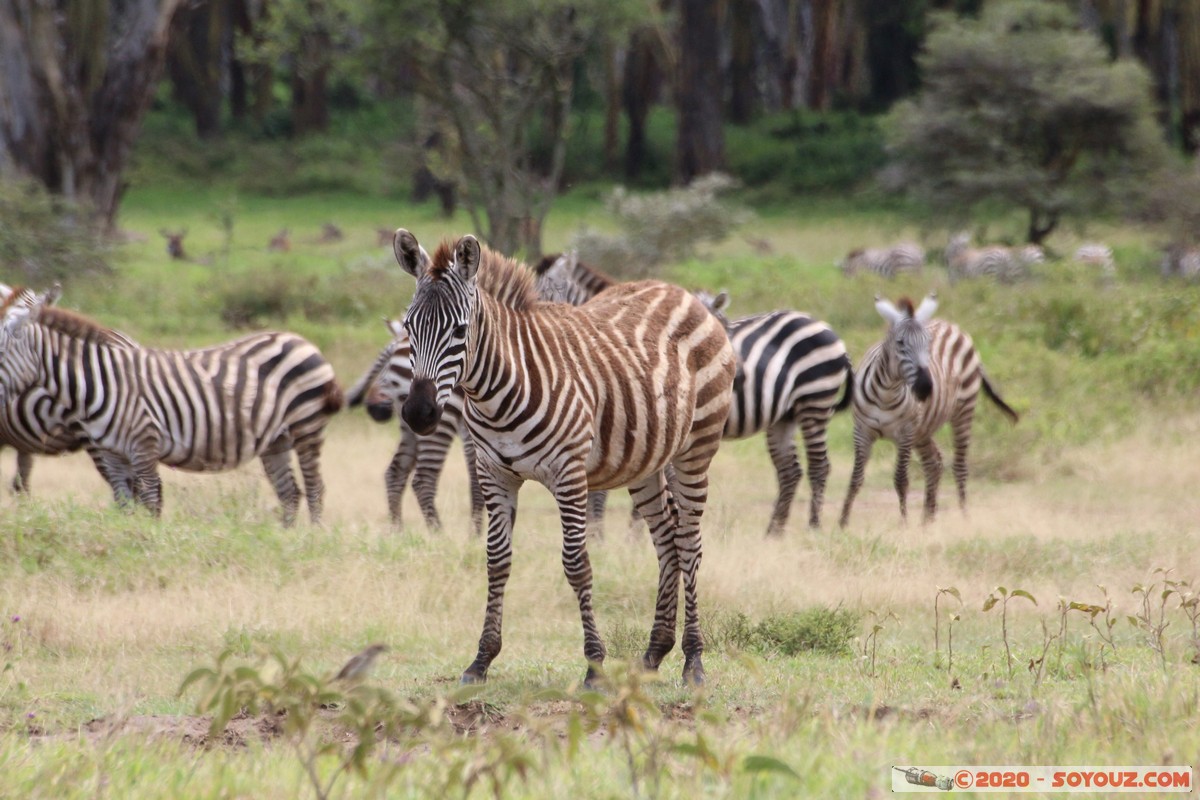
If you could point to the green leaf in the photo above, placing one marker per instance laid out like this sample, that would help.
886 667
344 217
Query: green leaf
990 602
953 592
756 764
1025 594
193 676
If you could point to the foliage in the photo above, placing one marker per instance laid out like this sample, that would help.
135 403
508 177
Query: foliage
1021 109
817 629
658 227
45 237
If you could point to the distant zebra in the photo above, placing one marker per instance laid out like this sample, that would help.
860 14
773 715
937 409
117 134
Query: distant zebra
924 374
32 425
1182 262
886 261
791 369
210 409
563 278
599 396
1005 264
383 389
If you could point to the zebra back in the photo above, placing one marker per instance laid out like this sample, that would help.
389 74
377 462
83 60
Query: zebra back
886 262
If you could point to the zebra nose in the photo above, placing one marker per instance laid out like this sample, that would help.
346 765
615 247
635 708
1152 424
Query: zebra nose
923 385
420 411
380 412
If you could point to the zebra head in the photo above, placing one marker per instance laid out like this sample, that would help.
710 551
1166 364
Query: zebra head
716 305
437 324
392 379
907 343
19 364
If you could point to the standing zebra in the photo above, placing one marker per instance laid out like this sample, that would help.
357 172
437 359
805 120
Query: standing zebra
383 388
791 369
922 375
886 261
599 396
1005 264
199 410
1099 256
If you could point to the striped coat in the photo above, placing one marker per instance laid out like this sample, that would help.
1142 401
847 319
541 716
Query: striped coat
212 409
1005 264
924 374
600 396
887 261
383 389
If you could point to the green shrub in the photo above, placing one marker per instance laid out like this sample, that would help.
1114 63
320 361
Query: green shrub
45 238
816 629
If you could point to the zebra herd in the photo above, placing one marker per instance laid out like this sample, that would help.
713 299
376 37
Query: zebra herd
603 385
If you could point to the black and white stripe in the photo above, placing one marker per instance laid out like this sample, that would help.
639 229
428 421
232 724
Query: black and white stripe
599 396
924 374
203 410
1004 264
886 261
383 389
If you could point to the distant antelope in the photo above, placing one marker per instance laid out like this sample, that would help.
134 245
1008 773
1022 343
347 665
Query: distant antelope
174 243
281 242
383 237
330 233
886 261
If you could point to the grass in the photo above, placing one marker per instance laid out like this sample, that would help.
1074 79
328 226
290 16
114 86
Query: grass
102 614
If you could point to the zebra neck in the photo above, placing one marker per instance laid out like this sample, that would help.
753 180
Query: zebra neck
490 368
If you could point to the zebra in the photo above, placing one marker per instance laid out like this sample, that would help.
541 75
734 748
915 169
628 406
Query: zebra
31 425
563 278
888 261
1099 256
597 396
1005 264
923 374
198 410
1181 261
791 369
383 388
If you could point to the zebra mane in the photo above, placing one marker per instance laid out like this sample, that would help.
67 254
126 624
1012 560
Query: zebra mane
507 280
78 326
905 304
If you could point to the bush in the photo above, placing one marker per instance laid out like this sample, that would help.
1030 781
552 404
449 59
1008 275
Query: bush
817 629
658 227
44 237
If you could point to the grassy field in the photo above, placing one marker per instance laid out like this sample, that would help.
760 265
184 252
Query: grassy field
104 613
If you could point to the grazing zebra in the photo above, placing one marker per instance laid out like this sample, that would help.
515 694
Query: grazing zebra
199 410
383 389
1181 261
1005 264
598 396
32 425
1099 256
887 261
791 369
924 374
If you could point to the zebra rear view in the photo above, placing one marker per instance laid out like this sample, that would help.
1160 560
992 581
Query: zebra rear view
202 410
924 374
599 396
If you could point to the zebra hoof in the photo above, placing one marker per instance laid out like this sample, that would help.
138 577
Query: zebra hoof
473 677
594 679
693 673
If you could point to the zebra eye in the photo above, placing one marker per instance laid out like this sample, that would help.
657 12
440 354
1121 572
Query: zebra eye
460 332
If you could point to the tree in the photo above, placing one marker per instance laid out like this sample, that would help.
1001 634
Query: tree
76 78
1021 109
700 144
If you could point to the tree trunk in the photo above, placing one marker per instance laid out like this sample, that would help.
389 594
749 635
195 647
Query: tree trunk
700 140
613 58
743 18
196 61
639 87
1041 224
75 81
310 99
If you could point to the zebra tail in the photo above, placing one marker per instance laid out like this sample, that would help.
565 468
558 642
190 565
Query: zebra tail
1013 416
335 399
848 394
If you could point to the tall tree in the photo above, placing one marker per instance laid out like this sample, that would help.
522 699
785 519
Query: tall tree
700 143
640 87
198 57
76 77
1022 109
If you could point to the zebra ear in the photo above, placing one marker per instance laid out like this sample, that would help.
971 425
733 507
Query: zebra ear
411 257
721 301
466 256
888 311
395 326
927 307
52 295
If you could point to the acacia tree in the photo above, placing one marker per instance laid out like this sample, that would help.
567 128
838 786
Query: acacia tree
76 78
1022 109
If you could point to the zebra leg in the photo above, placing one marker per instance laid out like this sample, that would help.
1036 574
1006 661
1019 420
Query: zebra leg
278 466
500 497
431 459
816 453
864 440
149 485
477 504
20 482
900 479
118 473
308 456
961 427
931 462
651 499
570 492
687 482
782 448
596 502
395 477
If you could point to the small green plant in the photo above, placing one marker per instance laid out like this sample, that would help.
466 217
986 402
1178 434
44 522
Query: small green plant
949 591
871 640
1145 621
1001 596
1189 604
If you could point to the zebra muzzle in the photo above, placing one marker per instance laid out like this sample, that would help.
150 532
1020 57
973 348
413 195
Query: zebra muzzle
923 385
421 411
